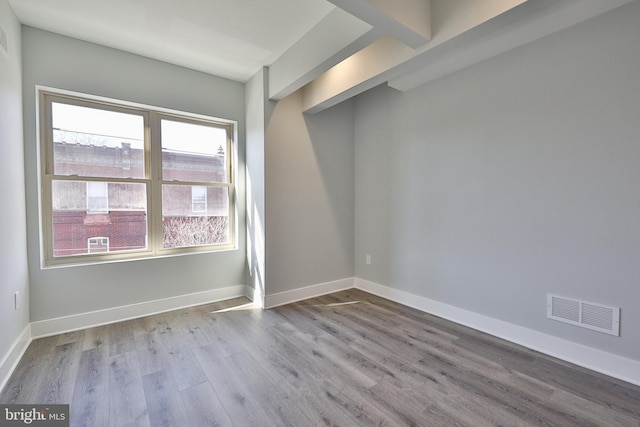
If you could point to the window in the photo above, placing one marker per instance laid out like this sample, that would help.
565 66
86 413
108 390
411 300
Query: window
123 182
198 199
97 197
98 244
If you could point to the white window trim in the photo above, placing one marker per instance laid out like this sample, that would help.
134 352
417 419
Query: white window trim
154 220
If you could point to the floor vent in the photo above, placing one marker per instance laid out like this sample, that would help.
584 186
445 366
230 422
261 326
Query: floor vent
597 317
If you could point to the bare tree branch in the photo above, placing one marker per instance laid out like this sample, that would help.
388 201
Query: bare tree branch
181 231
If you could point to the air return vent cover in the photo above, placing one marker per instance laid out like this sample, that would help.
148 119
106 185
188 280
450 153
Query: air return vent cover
598 317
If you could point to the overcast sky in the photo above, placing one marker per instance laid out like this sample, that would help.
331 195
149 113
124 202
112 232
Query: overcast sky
116 127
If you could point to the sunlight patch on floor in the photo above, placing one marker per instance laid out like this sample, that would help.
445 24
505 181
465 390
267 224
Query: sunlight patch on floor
342 303
248 306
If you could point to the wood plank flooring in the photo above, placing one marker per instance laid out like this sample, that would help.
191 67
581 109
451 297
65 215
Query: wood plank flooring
346 359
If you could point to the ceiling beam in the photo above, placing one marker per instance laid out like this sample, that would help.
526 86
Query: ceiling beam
534 20
338 36
356 74
408 21
389 57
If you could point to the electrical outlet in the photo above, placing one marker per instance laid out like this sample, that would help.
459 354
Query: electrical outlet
367 259
16 300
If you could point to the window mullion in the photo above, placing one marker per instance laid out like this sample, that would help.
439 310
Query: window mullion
155 196
230 161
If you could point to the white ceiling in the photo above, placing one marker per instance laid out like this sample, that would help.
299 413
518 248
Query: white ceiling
331 49
227 38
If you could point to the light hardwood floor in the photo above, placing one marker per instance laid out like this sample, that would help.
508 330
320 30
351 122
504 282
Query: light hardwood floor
347 359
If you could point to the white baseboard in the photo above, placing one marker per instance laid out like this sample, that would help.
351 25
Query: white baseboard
11 359
287 297
74 322
597 360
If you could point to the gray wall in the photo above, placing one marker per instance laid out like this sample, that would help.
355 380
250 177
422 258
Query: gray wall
256 106
13 250
65 63
309 195
516 177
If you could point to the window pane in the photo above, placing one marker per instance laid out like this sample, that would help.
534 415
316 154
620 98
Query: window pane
94 142
120 224
182 226
192 152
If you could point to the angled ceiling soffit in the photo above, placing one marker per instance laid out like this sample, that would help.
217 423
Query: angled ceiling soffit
444 21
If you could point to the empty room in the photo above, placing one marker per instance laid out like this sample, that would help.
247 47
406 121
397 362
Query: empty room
320 213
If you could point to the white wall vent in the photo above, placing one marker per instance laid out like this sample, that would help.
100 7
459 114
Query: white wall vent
4 43
597 317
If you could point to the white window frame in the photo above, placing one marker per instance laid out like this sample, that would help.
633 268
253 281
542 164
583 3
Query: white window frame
152 179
